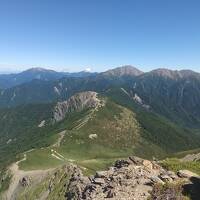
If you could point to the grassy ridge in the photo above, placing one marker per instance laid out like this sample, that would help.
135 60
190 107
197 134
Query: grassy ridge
117 135
168 136
175 164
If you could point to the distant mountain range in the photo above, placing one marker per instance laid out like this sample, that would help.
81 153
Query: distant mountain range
174 94
90 119
11 80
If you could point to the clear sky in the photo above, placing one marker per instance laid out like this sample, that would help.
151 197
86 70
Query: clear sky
72 35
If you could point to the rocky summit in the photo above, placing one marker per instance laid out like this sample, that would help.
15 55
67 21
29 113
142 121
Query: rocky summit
131 179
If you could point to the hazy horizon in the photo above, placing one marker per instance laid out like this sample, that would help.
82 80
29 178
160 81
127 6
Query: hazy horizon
88 69
75 35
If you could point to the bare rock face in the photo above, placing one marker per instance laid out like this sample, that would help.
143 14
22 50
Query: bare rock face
78 102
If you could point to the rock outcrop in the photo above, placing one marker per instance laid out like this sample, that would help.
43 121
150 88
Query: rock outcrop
187 174
129 179
76 103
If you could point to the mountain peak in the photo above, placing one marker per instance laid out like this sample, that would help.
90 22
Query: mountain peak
174 74
38 69
126 70
164 72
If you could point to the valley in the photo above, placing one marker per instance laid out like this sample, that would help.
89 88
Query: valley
90 122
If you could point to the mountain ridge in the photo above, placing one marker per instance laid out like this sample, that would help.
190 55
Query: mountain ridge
16 79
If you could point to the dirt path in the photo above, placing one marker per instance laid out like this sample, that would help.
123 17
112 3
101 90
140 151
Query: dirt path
18 175
61 136
34 175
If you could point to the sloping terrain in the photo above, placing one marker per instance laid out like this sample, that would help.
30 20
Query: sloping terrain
40 91
132 178
172 94
150 115
95 137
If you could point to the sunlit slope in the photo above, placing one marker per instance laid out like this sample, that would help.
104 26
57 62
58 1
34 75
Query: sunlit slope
95 139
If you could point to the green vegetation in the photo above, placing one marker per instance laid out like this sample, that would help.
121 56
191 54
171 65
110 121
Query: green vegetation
20 131
59 180
168 191
121 131
184 153
170 137
40 159
175 164
116 135
5 178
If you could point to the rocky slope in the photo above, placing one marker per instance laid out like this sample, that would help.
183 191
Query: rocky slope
172 94
76 103
130 179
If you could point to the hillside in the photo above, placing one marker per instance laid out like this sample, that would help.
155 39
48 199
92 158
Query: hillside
41 91
92 121
92 136
98 128
172 94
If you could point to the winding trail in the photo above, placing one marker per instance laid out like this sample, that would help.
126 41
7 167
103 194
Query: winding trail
34 175
18 175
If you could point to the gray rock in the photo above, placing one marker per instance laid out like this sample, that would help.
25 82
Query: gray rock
165 178
121 163
186 174
111 193
99 181
25 181
78 102
136 160
101 174
172 175
156 180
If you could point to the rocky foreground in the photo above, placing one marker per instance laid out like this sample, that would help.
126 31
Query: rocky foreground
131 179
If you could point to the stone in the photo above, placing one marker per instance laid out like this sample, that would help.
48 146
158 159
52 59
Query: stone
25 181
148 164
93 136
186 174
156 166
121 163
101 174
156 180
133 178
136 160
172 175
110 194
99 181
165 178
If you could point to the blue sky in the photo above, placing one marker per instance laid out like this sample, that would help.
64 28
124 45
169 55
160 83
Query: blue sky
72 35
